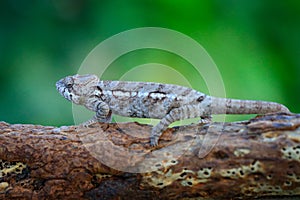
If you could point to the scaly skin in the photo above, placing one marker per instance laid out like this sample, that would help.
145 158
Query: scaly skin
152 100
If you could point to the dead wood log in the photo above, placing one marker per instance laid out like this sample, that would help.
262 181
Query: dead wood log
257 158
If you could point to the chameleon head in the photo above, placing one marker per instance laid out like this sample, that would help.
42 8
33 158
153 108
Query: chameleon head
77 88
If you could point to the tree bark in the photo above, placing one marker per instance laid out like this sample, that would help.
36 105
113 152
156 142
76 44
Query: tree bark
256 158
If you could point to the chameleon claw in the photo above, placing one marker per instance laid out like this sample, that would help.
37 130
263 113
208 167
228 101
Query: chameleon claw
153 141
87 123
84 125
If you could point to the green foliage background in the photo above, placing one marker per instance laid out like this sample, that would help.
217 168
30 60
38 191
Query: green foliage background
255 44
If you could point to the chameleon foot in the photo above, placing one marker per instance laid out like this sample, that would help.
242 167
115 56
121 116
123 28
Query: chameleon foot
153 141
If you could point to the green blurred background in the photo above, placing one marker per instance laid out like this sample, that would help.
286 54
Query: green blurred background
255 44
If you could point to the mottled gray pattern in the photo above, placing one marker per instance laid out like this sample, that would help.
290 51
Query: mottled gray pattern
152 100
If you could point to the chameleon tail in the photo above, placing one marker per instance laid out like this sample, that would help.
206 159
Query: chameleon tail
235 106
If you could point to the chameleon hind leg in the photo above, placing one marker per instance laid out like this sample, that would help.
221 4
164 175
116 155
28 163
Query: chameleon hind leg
176 114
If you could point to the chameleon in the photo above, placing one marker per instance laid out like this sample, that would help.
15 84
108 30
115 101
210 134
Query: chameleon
166 102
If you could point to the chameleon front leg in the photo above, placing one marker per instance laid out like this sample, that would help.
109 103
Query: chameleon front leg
103 114
184 112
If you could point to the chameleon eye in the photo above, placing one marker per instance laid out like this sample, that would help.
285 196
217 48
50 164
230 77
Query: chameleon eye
69 82
69 85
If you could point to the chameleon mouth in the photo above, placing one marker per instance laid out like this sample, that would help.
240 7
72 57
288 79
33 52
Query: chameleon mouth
63 90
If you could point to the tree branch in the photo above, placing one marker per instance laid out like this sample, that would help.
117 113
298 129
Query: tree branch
257 158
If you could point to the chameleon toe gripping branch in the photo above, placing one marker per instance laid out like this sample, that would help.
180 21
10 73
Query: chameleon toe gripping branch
152 100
